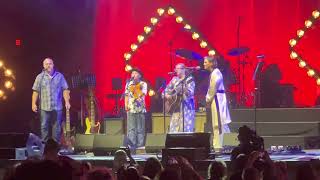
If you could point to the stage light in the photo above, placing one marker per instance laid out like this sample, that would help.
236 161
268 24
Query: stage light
300 33
302 64
308 23
187 26
195 36
160 11
8 72
171 11
133 47
1 93
311 72
127 56
8 84
140 38
1 64
151 92
318 81
211 53
179 19
292 42
147 29
315 14
128 68
203 44
293 55
153 20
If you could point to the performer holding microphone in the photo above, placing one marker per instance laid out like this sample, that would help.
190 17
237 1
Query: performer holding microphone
179 96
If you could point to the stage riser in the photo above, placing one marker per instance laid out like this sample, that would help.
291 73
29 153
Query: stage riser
276 115
281 129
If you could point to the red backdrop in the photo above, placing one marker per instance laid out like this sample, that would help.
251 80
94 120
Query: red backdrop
265 27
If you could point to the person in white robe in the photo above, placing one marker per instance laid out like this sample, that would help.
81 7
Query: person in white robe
217 101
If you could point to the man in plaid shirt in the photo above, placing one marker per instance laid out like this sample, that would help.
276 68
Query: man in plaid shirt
49 87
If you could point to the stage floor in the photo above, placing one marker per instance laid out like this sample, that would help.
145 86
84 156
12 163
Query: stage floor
306 156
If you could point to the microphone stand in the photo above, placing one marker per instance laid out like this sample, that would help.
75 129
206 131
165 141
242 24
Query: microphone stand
182 99
257 79
163 109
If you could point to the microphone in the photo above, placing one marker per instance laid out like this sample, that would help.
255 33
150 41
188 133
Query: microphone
193 68
171 73
128 80
260 56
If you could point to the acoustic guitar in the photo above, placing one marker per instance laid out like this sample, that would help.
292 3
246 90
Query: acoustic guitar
92 127
174 102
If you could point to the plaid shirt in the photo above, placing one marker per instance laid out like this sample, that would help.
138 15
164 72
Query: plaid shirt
50 90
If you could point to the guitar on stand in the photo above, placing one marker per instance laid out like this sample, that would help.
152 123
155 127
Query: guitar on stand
92 127
68 138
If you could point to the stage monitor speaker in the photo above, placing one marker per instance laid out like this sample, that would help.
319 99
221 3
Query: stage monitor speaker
193 146
155 142
188 140
114 126
104 144
84 142
230 139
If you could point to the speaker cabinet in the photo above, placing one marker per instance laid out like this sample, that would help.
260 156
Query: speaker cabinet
230 139
189 140
155 142
114 126
104 144
84 142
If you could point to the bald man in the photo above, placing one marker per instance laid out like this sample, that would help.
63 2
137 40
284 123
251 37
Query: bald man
48 89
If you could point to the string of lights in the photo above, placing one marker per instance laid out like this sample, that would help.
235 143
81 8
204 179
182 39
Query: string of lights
141 38
294 41
7 78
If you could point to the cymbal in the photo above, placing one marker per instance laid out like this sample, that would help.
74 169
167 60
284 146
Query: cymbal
188 54
238 51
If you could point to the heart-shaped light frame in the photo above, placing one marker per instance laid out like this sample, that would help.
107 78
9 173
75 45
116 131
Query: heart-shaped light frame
161 12
294 41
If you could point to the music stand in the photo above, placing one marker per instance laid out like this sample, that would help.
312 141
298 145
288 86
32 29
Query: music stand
81 82
116 86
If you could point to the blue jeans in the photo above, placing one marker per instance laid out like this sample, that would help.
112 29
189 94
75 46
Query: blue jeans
136 129
51 125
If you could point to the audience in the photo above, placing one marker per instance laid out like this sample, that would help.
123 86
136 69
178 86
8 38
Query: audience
99 174
217 170
51 150
246 164
152 167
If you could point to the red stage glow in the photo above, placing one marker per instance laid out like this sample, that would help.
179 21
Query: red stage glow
264 26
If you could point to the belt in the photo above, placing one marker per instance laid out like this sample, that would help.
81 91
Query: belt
220 91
